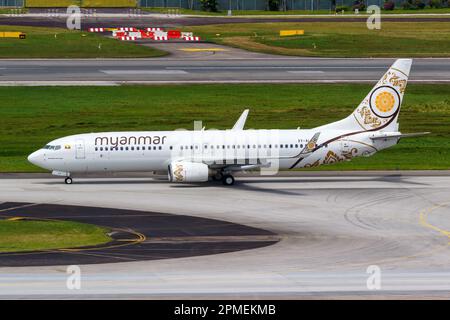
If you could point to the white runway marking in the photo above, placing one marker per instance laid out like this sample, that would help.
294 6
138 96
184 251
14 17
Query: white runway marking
304 71
271 67
122 72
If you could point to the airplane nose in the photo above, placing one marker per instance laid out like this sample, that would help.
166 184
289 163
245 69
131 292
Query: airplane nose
35 158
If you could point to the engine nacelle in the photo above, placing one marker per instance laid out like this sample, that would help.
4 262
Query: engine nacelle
183 171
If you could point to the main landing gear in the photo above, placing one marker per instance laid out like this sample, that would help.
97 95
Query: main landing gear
68 180
228 180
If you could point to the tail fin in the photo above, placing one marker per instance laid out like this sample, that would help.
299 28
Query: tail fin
380 108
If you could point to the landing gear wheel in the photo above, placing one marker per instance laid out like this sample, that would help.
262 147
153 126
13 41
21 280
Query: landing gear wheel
228 180
218 176
68 180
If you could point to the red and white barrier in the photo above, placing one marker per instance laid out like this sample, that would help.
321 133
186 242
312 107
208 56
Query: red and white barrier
128 29
128 38
191 38
153 29
96 29
160 38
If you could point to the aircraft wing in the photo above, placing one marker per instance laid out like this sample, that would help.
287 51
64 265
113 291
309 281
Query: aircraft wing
240 123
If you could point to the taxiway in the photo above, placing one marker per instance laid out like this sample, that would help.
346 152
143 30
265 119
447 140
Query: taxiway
332 227
211 65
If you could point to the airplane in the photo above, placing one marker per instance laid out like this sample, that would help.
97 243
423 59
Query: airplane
202 155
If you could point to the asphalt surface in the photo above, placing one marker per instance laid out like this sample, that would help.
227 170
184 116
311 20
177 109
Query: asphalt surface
136 235
45 18
332 228
213 64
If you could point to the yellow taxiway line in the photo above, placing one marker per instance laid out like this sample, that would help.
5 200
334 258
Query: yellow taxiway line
202 49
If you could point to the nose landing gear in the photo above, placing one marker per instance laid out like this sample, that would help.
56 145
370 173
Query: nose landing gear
68 180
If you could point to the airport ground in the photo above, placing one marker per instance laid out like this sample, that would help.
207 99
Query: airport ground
329 228
301 234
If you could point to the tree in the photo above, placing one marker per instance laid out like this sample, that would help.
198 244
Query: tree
274 5
209 5
333 5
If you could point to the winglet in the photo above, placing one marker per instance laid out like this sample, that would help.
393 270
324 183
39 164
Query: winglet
239 125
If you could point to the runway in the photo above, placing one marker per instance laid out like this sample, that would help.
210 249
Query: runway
332 227
226 66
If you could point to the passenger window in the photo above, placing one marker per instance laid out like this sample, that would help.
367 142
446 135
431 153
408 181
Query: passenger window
154 148
281 146
170 147
132 148
292 145
96 149
160 148
126 148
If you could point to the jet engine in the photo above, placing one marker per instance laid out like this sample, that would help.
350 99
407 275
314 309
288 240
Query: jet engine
183 171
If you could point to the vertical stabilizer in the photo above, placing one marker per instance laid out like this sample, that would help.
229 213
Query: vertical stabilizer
379 110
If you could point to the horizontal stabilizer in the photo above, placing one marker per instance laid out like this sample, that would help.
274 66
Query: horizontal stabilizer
391 135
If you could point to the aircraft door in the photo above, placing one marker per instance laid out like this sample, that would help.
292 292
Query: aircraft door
80 152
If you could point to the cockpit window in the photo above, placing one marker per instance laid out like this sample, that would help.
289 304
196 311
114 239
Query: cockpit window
50 147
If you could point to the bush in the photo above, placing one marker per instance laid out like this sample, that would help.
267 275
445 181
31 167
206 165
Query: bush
419 4
413 4
407 6
360 5
435 3
274 5
389 5
209 5
342 8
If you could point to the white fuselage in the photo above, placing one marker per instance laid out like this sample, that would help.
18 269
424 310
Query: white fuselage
155 150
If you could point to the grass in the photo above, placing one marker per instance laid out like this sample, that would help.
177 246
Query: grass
335 39
13 10
286 13
32 235
63 43
33 116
